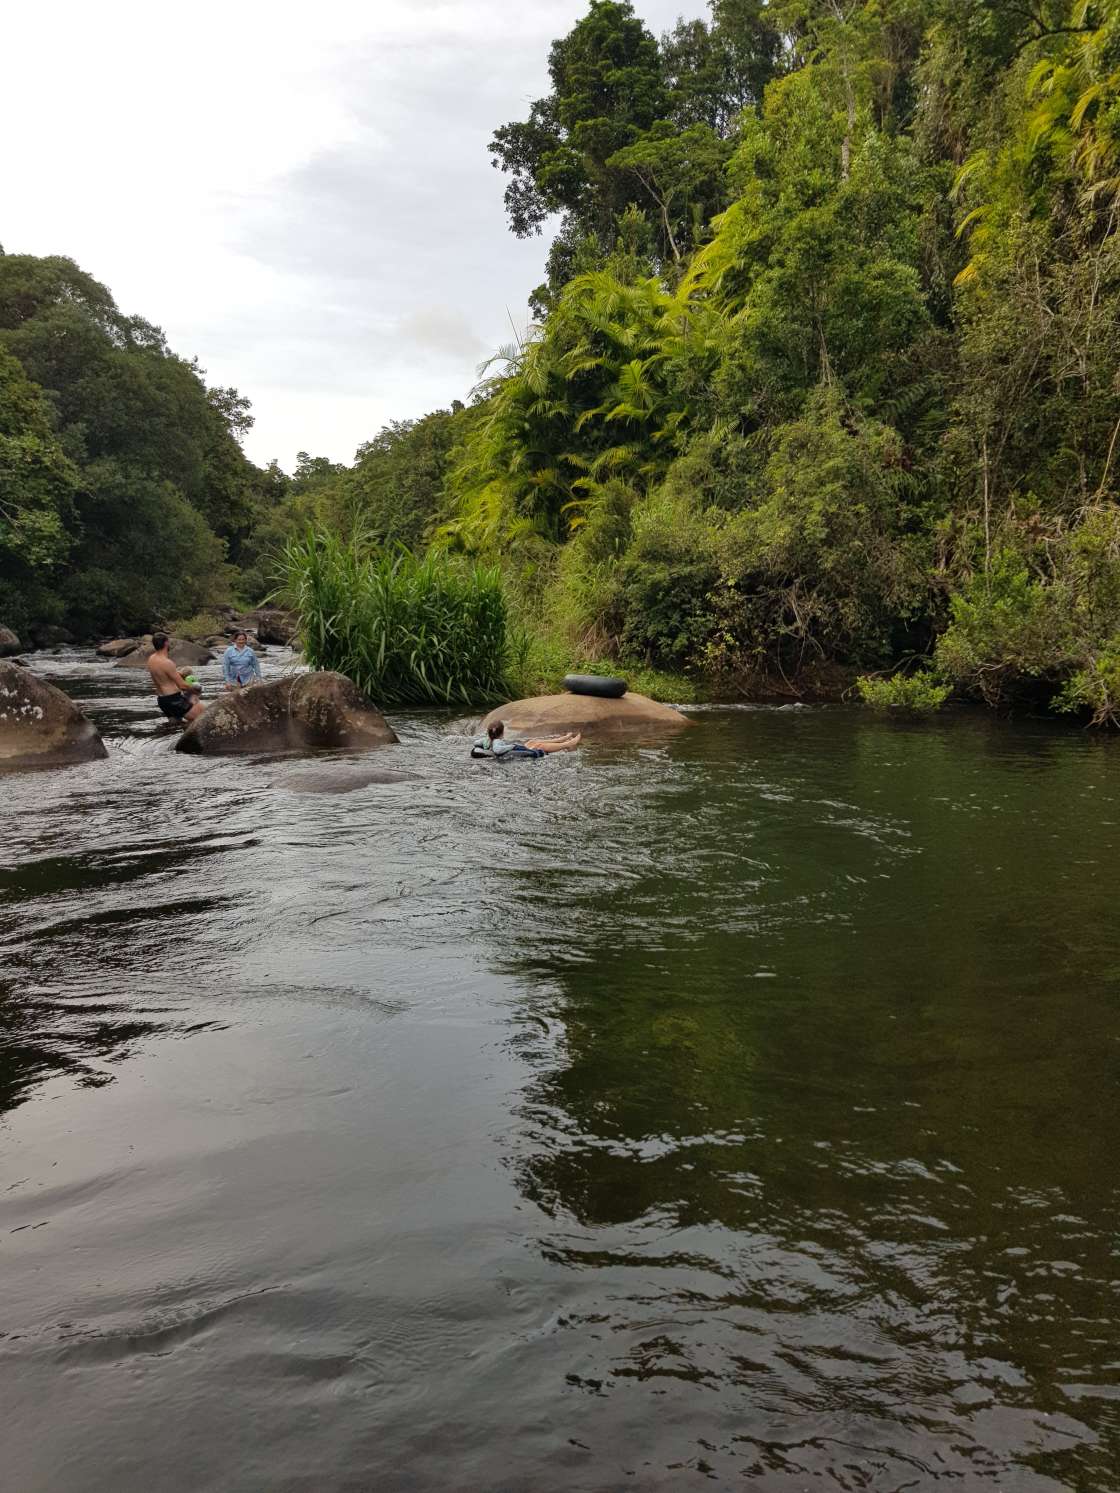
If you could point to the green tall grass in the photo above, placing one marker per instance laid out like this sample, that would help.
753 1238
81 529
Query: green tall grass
408 630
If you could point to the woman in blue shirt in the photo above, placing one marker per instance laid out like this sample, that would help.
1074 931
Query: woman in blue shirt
240 665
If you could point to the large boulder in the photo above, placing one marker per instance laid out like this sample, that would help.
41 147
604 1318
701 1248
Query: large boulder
302 713
629 716
50 635
9 643
275 626
184 654
117 648
40 726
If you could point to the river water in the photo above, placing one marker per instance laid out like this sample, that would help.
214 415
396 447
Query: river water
737 1113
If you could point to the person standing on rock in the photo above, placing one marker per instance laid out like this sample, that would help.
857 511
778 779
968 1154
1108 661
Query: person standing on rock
240 665
174 696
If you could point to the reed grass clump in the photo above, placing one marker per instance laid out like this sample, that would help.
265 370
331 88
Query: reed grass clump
407 629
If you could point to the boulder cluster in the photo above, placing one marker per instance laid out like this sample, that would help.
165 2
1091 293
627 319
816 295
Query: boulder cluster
264 626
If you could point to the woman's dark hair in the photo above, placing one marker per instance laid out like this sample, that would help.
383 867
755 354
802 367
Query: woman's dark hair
159 640
495 729
241 634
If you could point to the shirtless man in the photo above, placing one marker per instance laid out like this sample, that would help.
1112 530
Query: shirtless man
173 694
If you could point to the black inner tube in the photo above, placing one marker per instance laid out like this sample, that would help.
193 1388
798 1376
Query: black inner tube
603 686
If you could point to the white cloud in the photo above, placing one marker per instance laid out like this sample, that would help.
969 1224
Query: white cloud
300 196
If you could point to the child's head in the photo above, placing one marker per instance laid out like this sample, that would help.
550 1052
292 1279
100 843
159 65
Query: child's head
496 729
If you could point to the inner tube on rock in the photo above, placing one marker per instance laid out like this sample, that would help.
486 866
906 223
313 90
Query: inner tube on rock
595 684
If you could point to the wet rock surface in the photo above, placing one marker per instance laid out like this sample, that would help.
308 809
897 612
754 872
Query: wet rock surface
598 719
40 726
48 635
301 713
275 626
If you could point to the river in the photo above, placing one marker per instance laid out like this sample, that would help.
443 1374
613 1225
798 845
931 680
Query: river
738 1113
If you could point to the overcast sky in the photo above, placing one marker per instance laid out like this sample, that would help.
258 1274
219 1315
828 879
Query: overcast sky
299 195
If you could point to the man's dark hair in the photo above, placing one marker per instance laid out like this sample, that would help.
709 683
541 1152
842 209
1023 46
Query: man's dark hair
496 730
159 640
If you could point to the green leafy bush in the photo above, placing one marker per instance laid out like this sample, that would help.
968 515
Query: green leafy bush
407 630
1007 628
1095 688
198 625
1042 617
919 694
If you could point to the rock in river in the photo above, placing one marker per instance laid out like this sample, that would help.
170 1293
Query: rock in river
275 626
117 647
50 635
341 779
628 717
302 713
9 643
40 726
184 654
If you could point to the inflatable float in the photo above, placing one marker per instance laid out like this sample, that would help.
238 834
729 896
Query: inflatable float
599 686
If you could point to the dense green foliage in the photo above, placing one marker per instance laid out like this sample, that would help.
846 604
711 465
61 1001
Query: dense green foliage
37 483
629 122
866 409
407 630
123 487
910 694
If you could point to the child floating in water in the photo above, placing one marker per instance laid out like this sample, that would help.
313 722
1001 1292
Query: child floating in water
493 744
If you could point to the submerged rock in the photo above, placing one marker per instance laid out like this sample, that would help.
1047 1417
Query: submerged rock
40 726
9 643
184 654
341 779
302 713
600 720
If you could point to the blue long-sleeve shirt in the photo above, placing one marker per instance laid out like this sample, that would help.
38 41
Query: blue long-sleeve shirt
240 665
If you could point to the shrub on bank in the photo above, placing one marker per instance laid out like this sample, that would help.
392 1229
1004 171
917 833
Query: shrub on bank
1042 620
1095 688
200 625
916 694
408 630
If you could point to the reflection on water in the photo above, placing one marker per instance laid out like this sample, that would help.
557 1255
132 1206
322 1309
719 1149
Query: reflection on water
740 1112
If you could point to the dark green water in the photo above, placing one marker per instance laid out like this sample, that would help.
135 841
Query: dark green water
736 1114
